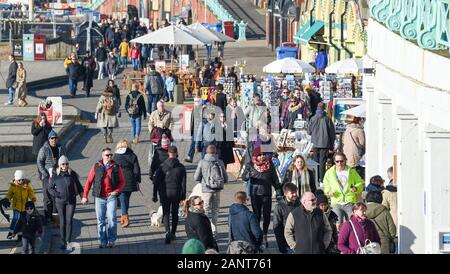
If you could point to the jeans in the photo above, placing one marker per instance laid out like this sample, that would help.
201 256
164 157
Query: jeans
135 126
101 68
135 63
343 211
191 152
73 83
170 92
105 210
209 51
16 216
124 61
212 203
320 156
152 99
65 212
11 92
28 244
151 54
124 199
168 53
143 62
170 207
262 205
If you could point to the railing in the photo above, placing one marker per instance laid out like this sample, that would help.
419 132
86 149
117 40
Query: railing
218 10
96 3
425 21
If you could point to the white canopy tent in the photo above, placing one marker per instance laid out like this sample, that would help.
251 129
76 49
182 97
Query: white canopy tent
346 66
213 35
359 111
289 65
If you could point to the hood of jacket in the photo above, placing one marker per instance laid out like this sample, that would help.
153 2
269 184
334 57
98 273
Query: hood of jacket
391 188
374 210
210 157
171 162
237 208
320 113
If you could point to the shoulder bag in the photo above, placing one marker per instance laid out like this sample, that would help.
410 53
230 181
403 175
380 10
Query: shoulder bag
369 247
361 150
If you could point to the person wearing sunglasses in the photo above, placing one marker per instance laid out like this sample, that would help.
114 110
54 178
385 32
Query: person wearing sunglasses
30 226
64 186
343 185
47 159
107 181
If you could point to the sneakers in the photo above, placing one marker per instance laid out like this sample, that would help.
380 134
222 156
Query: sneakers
168 238
110 138
111 244
188 160
8 103
10 236
102 245
173 237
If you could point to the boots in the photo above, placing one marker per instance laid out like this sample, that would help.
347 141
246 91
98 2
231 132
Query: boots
135 140
121 219
110 138
106 138
125 221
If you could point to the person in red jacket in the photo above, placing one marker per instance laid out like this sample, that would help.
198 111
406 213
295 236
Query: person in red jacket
135 55
107 181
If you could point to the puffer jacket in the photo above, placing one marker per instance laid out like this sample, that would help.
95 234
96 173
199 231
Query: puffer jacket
45 159
65 186
331 184
170 180
154 83
129 163
29 226
261 183
384 223
203 171
20 194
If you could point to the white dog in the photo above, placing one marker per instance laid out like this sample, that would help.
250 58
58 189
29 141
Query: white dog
156 217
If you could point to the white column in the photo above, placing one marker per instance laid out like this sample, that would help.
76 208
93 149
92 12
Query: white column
386 138
411 230
370 129
437 186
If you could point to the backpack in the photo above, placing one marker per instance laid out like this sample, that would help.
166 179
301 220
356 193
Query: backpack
215 180
108 105
133 107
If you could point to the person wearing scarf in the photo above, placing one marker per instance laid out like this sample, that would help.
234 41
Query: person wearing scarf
294 109
261 175
299 174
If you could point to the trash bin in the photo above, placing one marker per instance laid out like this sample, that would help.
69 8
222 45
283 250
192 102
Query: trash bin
229 28
39 47
284 52
28 47
179 94
17 45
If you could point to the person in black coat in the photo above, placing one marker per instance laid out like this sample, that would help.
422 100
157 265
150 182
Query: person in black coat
170 184
304 180
12 73
89 66
30 225
294 109
40 128
221 98
135 107
227 143
65 185
159 156
128 161
116 91
261 175
74 71
197 224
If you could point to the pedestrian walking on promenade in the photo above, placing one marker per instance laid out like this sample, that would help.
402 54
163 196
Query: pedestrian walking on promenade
106 113
206 134
106 178
101 56
322 202
65 185
382 219
196 115
234 116
145 53
160 155
307 228
128 161
11 83
226 146
135 55
170 86
244 233
197 224
211 172
154 88
170 183
29 226
74 72
281 211
262 176
354 144
135 107
21 85
356 231
40 128
160 122
89 66
47 160
299 174
124 48
20 191
295 108
116 92
221 98
322 132
112 65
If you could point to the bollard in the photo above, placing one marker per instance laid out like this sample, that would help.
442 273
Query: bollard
178 94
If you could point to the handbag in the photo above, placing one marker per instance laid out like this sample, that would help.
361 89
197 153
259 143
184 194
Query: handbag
361 150
369 247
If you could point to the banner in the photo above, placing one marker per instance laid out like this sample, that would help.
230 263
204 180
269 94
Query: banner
52 107
340 105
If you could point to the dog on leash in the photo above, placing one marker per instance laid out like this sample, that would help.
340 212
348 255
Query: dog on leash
156 217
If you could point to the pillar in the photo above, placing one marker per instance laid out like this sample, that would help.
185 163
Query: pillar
386 140
370 128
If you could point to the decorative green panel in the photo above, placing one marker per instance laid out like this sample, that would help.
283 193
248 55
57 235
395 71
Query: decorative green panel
408 19
393 21
426 24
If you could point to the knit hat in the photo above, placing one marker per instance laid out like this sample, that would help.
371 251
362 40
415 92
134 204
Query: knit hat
173 149
63 160
19 175
165 141
322 199
193 246
29 204
52 134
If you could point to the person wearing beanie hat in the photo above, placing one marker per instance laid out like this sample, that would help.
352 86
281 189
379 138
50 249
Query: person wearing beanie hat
30 225
322 202
193 246
63 160
165 142
20 191
52 134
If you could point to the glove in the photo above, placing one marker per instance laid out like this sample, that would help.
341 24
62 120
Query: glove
155 199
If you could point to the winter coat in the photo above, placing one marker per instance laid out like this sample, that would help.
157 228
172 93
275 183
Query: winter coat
140 102
166 122
124 48
104 119
20 194
198 227
243 225
203 171
221 101
292 114
101 54
226 150
255 115
12 74
390 201
116 94
40 136
350 148
314 100
312 181
288 104
384 224
261 183
135 53
332 219
159 156
129 163
104 183
347 242
322 132
65 186
206 134
45 159
74 70
112 64
21 81
89 66
154 83
280 214
169 83
234 120
170 180
29 226
331 184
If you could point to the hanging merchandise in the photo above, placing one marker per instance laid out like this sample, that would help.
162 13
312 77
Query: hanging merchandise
247 91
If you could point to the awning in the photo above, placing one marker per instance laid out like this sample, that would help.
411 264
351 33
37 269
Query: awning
305 36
